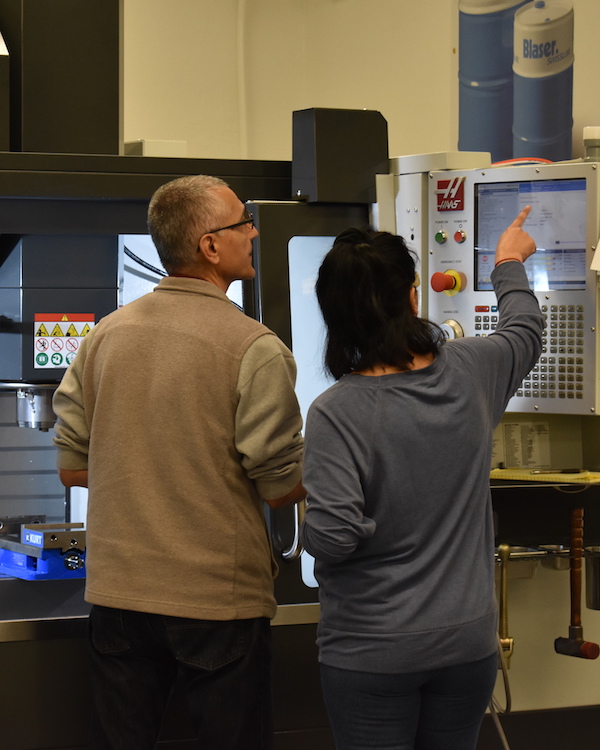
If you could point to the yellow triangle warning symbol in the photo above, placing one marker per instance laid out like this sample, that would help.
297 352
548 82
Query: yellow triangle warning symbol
72 331
57 331
64 319
86 329
41 331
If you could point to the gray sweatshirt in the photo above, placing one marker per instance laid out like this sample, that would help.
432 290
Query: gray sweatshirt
399 514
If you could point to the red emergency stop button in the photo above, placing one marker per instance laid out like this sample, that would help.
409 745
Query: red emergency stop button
449 282
441 282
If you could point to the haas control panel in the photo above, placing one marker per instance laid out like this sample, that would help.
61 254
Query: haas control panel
468 211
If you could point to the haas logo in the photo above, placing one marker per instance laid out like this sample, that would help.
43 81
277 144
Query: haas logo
451 194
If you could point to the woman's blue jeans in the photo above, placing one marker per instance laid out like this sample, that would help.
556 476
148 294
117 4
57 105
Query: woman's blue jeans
440 709
224 668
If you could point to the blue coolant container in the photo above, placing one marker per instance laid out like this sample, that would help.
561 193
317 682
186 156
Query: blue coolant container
543 80
485 59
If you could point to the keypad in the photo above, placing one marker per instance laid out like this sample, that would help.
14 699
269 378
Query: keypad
560 370
486 319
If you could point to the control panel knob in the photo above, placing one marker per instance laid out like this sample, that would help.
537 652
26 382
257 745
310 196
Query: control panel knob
441 237
452 329
460 236
441 282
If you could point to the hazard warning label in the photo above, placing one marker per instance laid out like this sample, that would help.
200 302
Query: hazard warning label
57 337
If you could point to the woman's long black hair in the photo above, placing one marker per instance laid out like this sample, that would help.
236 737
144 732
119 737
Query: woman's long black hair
363 289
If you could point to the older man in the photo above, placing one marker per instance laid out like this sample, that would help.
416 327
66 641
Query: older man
183 411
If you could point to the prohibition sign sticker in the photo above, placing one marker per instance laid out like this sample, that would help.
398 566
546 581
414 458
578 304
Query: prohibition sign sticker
57 338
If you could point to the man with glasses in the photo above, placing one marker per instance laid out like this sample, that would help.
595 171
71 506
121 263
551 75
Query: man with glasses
183 411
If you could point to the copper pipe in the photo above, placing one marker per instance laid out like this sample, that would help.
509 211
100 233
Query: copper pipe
575 645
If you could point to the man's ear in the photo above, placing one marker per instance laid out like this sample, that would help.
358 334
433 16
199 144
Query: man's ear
208 249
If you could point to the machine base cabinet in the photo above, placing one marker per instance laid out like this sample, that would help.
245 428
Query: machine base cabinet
44 695
44 702
555 729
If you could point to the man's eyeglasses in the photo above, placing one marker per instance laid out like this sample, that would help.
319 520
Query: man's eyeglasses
248 219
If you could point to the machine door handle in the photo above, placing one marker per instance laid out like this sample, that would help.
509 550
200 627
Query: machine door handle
295 549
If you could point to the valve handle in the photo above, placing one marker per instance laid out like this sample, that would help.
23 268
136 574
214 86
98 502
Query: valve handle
590 650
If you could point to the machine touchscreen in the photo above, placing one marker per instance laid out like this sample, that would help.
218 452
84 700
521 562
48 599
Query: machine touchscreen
557 223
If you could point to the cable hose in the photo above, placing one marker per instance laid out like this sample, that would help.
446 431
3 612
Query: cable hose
504 668
143 263
149 267
494 706
498 726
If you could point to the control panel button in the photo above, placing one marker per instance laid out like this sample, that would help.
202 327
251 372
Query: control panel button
460 236
441 282
449 282
441 237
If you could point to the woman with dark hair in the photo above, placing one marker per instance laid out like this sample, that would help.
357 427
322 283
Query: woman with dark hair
399 520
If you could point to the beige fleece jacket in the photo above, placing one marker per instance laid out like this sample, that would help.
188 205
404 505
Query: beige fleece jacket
183 410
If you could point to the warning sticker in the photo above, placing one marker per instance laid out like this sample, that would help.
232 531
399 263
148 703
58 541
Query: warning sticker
59 347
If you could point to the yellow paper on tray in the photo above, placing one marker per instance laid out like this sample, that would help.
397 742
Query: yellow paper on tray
531 475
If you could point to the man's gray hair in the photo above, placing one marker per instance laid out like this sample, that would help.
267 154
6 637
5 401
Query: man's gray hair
180 212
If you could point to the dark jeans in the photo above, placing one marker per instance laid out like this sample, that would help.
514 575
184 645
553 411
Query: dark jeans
225 669
437 710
